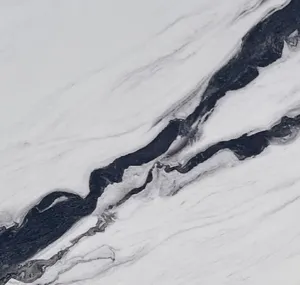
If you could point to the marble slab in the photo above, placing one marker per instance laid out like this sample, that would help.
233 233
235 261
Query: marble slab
149 142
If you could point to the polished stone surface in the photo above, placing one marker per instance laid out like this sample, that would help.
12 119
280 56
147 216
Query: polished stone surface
150 142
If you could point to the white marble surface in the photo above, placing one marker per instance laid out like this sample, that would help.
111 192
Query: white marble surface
84 82
74 97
